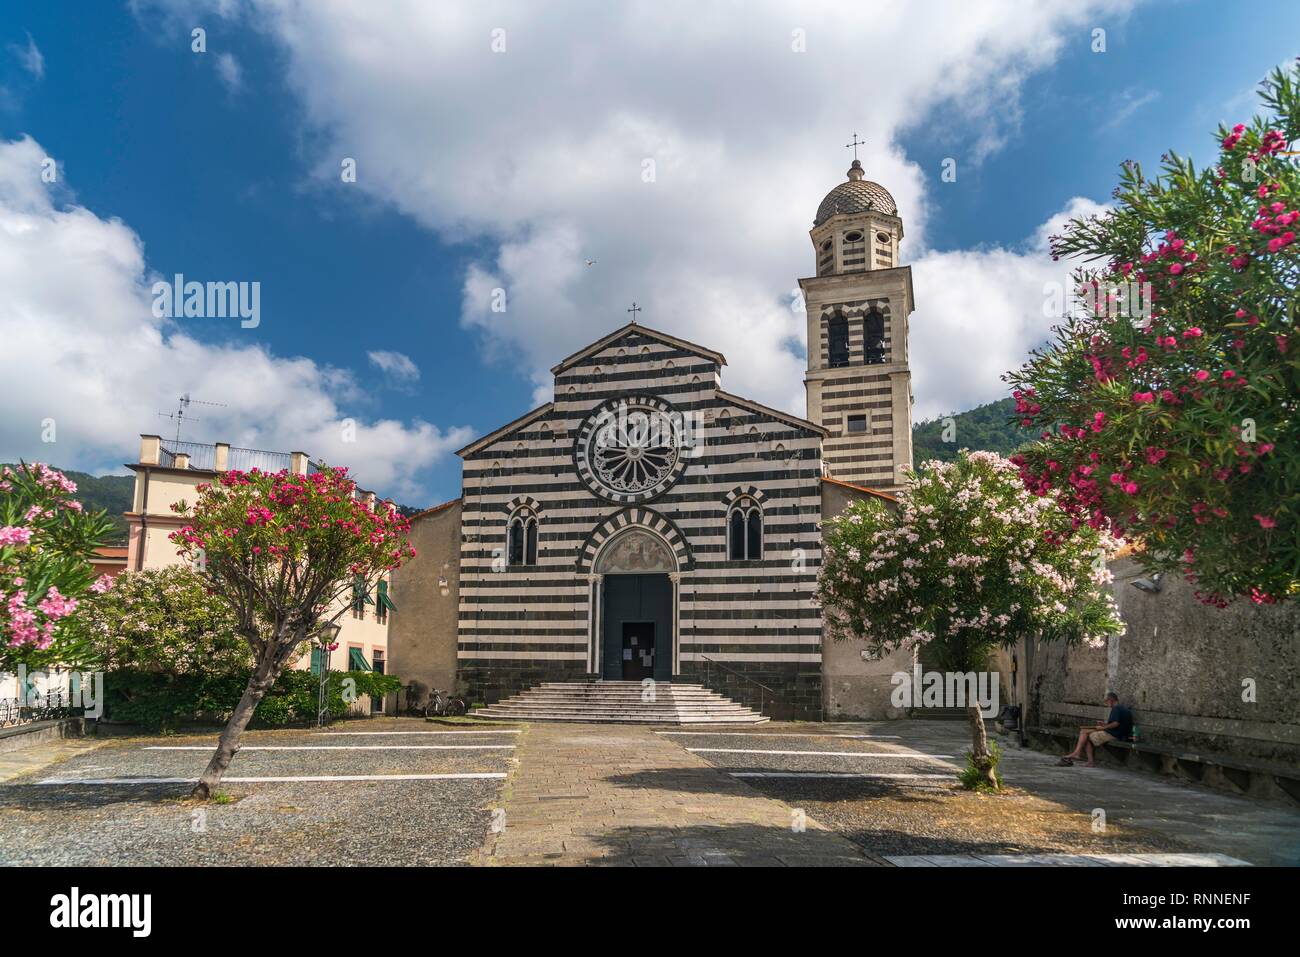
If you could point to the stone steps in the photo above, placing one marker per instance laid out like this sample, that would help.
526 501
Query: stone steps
621 702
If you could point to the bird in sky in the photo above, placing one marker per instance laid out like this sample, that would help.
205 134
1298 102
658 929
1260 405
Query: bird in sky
590 262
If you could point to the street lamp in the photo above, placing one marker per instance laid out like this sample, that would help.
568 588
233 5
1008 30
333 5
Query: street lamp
327 635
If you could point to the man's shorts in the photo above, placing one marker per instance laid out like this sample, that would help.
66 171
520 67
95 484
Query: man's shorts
1098 738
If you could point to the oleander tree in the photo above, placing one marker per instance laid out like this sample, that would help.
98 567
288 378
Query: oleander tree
46 543
1176 426
282 551
968 561
164 620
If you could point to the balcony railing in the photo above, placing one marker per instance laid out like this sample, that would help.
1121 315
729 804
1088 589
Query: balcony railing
245 460
201 456
204 457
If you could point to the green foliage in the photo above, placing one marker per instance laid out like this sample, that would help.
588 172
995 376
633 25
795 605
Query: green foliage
163 620
370 683
967 561
159 700
282 549
111 494
974 777
991 427
47 539
1176 428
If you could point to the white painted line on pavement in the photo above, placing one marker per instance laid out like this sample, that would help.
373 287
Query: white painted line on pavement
339 747
1066 860
312 777
508 731
840 774
774 734
915 755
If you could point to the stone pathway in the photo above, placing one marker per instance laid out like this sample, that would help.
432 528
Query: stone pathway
609 794
1066 860
15 764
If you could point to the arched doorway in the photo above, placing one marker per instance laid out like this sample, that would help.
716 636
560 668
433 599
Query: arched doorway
634 607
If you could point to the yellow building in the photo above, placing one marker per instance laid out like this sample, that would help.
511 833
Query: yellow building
168 472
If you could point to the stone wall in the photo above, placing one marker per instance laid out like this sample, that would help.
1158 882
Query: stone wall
426 591
852 686
509 677
1184 668
795 689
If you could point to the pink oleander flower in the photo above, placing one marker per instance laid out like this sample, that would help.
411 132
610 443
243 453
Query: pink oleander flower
15 535
55 605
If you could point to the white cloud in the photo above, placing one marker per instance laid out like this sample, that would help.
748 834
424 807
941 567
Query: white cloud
397 366
1128 103
229 70
539 150
82 349
979 311
31 58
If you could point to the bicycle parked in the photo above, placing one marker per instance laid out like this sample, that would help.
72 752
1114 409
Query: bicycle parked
440 705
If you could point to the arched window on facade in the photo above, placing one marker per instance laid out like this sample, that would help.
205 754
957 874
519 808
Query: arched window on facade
521 539
745 531
837 342
873 337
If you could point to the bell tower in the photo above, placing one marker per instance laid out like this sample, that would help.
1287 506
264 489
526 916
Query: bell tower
859 383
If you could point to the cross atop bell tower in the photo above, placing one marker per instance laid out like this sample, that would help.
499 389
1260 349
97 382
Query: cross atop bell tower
858 380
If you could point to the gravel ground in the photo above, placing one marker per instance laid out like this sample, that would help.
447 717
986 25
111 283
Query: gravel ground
887 817
428 822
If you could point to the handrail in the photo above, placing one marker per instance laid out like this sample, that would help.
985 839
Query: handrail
740 674
772 691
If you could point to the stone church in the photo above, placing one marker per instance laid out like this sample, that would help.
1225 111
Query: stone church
647 523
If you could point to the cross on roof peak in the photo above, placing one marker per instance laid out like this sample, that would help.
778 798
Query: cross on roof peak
634 310
855 144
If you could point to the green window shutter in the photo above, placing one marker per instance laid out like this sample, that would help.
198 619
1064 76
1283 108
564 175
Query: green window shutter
360 596
315 659
357 660
384 600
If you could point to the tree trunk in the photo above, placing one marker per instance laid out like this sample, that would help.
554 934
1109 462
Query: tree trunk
982 758
259 683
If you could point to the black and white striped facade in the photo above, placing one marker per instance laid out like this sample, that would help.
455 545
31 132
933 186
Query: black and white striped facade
858 307
522 624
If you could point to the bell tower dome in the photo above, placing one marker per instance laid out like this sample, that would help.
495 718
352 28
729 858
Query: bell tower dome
857 227
858 303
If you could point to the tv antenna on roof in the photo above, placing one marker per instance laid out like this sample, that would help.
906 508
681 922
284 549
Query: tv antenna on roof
179 416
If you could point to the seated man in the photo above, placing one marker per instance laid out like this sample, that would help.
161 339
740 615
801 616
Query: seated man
1118 727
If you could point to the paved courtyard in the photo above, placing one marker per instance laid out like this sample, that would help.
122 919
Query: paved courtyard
404 791
386 791
889 788
613 794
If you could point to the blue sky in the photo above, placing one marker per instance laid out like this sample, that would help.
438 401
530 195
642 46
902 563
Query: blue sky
496 171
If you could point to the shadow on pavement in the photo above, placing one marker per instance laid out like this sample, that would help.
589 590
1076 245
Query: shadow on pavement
730 845
36 797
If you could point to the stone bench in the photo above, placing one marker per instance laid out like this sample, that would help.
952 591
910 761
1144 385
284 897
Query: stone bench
1256 778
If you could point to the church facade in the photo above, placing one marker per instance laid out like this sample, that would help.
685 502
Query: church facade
647 523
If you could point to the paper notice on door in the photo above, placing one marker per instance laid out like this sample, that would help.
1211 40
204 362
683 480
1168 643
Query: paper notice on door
627 654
